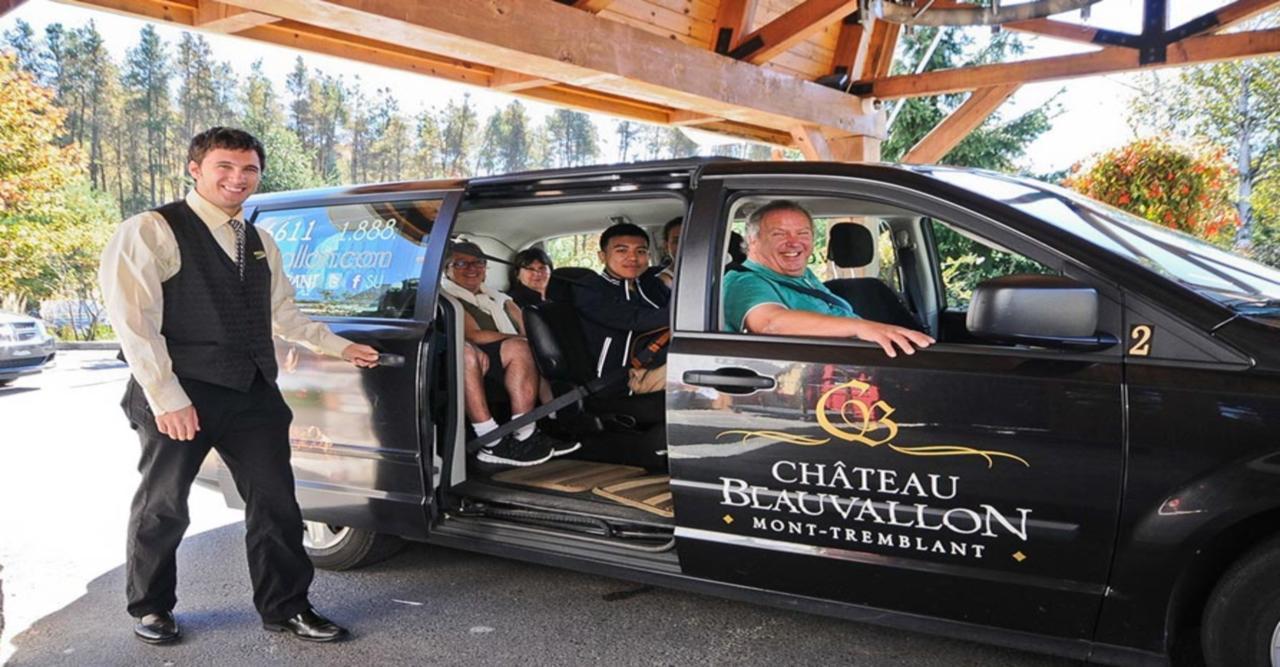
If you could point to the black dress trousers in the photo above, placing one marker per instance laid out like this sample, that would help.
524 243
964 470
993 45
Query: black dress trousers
250 430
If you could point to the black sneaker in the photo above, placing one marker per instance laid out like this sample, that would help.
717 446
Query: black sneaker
558 447
511 452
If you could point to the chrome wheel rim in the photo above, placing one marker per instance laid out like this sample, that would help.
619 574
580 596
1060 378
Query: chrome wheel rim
317 535
1275 646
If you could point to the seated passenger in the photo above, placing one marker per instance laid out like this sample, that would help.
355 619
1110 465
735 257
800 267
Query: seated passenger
495 351
776 293
622 304
671 241
530 273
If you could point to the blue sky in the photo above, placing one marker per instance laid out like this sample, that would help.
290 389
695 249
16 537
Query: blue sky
1093 117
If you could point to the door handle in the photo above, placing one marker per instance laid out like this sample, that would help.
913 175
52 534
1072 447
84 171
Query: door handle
730 380
390 360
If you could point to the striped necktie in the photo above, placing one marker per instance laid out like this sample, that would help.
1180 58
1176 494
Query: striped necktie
238 227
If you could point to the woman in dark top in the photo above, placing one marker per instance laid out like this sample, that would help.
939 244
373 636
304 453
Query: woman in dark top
530 273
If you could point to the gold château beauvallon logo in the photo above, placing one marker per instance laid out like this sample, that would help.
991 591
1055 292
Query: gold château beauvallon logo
868 424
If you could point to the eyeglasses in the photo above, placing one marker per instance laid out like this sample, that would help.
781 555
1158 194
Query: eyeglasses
536 269
463 265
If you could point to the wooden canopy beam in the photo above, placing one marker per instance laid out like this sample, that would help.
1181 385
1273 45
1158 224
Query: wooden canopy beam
733 20
793 27
884 40
1070 32
509 82
1209 48
850 55
954 128
820 145
219 17
1212 22
556 42
593 6
7 6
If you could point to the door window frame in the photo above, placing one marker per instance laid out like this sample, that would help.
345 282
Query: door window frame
697 300
436 241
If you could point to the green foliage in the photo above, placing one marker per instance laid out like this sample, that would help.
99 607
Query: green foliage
965 263
572 139
1233 104
507 145
1180 187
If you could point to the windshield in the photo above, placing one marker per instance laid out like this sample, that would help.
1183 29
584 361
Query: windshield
1234 281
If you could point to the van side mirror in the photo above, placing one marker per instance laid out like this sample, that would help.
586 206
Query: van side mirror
1045 311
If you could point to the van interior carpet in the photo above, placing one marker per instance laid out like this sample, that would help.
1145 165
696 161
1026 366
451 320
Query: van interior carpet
651 494
569 476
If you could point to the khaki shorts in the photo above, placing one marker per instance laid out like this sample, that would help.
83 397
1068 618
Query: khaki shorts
646 380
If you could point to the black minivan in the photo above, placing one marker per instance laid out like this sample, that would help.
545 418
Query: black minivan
1087 463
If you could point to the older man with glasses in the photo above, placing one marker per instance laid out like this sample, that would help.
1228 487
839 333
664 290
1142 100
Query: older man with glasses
496 357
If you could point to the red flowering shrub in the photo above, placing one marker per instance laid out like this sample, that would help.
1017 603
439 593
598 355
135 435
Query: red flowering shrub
1186 188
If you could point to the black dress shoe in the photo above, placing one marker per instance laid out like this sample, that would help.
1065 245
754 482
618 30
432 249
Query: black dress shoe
309 626
158 628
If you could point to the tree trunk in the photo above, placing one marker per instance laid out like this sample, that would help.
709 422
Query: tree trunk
1244 164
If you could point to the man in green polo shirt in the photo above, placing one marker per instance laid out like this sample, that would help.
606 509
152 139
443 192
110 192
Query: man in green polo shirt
777 294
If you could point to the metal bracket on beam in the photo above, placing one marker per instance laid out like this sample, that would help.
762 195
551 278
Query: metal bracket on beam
1155 38
747 48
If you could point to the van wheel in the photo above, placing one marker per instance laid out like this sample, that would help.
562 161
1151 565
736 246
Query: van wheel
1241 625
343 547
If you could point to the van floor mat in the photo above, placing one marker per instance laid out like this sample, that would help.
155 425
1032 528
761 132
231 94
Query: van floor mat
651 494
568 475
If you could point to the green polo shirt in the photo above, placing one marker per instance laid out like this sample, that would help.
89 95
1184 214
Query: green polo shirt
756 285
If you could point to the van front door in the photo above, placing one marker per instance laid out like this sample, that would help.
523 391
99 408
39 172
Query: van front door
362 438
972 482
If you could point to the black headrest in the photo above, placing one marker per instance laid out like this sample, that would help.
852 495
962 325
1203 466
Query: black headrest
560 288
850 246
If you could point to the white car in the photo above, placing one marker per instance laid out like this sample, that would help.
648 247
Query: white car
26 347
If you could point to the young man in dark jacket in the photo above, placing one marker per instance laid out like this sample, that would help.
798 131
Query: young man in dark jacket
624 301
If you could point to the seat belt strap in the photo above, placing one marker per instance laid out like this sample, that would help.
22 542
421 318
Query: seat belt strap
564 400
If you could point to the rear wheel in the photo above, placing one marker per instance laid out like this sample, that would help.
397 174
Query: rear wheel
343 547
1242 617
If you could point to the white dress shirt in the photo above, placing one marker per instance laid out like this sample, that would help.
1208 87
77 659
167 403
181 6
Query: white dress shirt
141 255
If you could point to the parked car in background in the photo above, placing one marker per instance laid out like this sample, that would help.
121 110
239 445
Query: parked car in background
26 347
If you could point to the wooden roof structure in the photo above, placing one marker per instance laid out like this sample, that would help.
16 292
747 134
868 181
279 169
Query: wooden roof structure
802 73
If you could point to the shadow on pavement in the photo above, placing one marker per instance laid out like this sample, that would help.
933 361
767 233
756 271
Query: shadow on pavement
431 605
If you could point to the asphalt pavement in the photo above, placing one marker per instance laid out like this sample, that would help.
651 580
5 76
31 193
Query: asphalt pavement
66 477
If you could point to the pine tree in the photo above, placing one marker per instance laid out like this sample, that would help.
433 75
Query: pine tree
572 139
459 126
21 40
146 81
626 131
288 165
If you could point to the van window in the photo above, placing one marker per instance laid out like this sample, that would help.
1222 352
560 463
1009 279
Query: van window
575 250
964 262
354 260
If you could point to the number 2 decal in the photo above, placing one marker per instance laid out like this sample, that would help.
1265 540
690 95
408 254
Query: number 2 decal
1140 335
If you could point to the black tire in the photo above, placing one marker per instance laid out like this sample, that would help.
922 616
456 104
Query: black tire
353 548
1242 617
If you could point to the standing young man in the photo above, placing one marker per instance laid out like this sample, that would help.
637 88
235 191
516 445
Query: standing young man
195 294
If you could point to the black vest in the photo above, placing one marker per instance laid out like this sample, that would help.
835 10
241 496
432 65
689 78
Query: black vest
217 327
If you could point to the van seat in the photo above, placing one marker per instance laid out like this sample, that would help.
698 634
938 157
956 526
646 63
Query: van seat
560 351
851 246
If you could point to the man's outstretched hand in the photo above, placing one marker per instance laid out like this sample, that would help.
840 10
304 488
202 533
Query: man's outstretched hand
360 355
